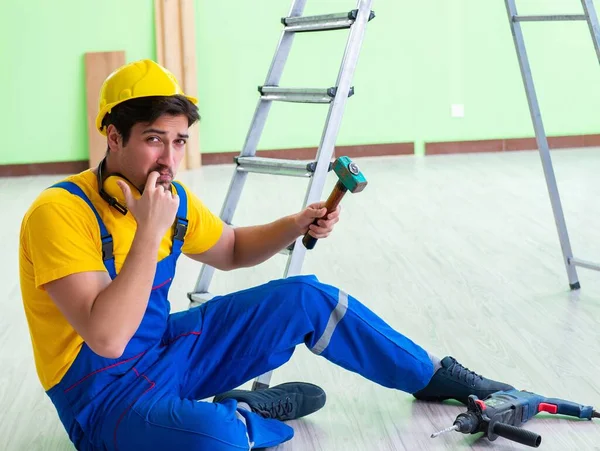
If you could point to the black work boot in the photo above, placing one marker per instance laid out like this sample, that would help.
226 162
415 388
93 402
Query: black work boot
283 402
454 381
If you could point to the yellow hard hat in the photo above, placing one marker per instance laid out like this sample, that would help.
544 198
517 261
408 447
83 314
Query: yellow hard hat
142 78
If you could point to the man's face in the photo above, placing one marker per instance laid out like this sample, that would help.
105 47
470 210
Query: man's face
156 147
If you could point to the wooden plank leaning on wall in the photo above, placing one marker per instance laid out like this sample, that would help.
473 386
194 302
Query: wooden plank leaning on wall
176 50
98 66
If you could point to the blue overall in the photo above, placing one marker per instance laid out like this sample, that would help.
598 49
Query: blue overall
147 398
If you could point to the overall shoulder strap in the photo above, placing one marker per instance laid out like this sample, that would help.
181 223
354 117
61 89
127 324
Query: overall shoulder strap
105 237
181 221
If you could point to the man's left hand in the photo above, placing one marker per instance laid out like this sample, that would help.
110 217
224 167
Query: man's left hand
324 226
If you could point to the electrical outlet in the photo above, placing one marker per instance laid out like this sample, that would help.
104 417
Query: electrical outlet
457 110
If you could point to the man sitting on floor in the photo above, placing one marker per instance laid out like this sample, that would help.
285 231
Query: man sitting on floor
98 253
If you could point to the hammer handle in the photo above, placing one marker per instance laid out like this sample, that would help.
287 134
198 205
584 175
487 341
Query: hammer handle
331 204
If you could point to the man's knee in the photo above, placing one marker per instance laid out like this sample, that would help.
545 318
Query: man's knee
318 301
304 279
307 287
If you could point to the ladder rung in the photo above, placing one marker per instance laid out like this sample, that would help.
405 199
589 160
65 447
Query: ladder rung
322 22
584 264
200 298
276 166
550 18
302 95
288 250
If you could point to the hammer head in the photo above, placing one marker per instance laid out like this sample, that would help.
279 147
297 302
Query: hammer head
349 174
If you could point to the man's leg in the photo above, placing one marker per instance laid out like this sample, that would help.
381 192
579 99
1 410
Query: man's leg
253 331
250 332
163 421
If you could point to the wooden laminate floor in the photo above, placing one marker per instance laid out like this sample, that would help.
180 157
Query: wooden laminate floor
458 252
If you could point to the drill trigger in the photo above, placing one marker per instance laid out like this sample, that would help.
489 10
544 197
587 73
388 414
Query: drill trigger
545 407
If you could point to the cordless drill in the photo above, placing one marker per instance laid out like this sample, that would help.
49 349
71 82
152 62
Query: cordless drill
502 412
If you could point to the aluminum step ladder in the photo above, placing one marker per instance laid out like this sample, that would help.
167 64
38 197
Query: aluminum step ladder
356 20
515 20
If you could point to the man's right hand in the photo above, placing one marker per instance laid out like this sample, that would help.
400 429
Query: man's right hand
155 211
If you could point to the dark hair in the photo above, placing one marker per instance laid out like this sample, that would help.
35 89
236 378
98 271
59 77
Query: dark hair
146 110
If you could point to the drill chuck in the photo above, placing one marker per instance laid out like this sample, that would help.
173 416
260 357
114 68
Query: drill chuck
467 422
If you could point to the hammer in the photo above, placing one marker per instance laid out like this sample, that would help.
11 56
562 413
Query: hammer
350 179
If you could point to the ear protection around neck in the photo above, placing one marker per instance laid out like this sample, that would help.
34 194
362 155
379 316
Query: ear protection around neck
110 191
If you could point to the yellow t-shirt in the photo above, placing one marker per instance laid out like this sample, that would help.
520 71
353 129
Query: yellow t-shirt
60 236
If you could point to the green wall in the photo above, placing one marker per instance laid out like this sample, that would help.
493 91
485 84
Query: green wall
42 47
418 58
